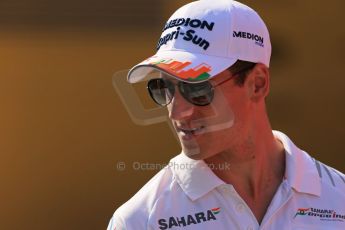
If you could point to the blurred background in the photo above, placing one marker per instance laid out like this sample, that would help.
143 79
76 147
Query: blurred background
63 128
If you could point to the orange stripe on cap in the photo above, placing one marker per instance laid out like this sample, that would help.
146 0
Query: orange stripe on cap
199 72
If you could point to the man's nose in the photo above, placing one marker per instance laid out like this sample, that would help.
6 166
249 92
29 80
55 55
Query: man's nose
179 108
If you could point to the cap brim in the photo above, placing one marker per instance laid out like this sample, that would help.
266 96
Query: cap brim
188 67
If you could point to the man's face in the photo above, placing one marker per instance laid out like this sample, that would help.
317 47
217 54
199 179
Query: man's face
205 131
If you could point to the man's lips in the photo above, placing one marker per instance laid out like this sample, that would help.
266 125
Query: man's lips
190 131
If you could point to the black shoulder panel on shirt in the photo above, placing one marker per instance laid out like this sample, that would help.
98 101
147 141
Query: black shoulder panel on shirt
330 172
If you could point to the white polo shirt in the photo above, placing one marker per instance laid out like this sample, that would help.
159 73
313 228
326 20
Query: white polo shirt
192 197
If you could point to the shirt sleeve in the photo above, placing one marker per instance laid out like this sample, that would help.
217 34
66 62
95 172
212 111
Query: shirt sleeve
116 223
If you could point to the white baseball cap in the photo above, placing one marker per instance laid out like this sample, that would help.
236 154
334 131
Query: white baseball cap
205 37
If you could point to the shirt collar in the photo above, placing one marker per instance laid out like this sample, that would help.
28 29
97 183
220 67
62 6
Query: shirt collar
300 170
194 176
197 179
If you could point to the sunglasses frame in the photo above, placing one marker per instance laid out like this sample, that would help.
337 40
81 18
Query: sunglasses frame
181 83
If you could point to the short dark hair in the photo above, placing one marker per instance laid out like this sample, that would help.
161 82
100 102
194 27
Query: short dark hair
241 68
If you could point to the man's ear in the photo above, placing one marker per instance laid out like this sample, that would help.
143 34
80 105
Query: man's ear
259 82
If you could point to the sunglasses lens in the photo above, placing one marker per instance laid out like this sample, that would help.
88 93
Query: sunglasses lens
197 94
161 91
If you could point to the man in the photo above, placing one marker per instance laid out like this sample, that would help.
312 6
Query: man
234 172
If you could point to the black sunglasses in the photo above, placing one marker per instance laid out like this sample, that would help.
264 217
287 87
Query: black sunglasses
162 90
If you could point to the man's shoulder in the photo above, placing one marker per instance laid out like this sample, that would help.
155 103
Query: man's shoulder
145 198
309 175
332 180
135 212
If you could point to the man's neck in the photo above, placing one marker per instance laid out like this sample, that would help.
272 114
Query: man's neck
255 171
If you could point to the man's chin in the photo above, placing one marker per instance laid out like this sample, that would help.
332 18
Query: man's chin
194 153
192 149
